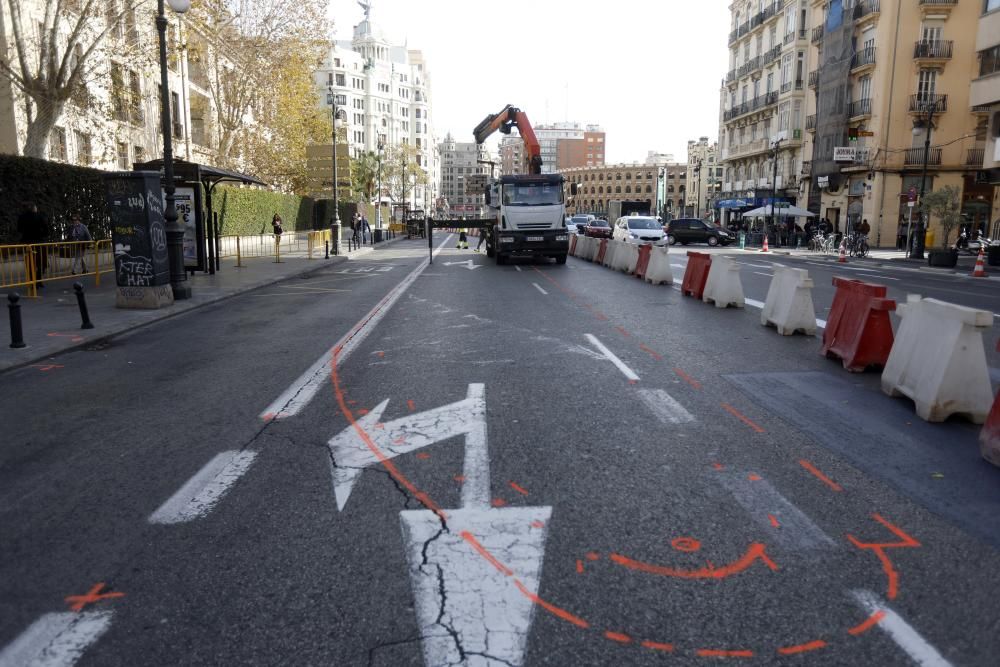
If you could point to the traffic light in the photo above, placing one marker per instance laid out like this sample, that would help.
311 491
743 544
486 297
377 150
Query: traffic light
852 134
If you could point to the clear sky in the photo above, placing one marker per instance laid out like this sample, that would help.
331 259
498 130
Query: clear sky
647 71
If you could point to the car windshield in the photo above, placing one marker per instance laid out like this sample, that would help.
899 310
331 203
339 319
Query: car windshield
598 223
579 219
643 223
532 195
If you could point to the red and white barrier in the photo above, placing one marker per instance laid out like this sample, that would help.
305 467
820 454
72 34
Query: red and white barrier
724 287
789 305
659 272
858 330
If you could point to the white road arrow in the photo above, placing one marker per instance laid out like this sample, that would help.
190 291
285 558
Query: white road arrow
467 569
467 264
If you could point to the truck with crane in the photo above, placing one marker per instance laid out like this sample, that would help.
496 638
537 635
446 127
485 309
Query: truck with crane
528 211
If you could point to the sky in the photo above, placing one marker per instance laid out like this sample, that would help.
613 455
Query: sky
647 71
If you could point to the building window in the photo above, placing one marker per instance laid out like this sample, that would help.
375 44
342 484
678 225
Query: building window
123 155
57 144
989 60
926 83
139 152
84 148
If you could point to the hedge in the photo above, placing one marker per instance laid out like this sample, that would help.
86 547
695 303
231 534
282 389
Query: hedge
244 211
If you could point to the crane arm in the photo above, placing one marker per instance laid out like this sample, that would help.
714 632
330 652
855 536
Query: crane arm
509 117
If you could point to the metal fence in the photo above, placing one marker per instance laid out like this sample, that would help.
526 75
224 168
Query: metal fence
28 265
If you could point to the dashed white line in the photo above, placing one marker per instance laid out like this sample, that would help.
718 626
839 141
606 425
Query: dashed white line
539 288
908 639
56 640
619 364
754 303
517 268
665 407
200 494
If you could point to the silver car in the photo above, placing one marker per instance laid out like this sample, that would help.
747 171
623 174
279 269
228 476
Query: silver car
639 229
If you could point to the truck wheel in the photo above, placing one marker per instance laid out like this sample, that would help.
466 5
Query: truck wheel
490 252
560 259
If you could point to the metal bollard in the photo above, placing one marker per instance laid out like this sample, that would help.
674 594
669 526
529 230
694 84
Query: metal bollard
81 301
16 330
327 250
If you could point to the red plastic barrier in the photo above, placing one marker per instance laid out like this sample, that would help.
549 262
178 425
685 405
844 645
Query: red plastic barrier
601 250
989 437
640 267
858 330
572 245
696 274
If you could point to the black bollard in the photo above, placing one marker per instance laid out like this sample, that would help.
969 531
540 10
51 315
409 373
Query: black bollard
81 301
327 243
16 331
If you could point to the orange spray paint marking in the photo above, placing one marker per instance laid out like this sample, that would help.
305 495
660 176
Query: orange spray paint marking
593 555
618 637
820 476
754 477
460 479
423 456
753 554
579 566
559 612
658 646
268 417
723 653
47 367
867 624
717 466
685 544
802 648
363 412
74 338
400 440
520 489
498 502
381 354
739 415
411 405
905 542
380 426
623 332
78 602
633 382
687 378
774 520
650 352
468 537
537 524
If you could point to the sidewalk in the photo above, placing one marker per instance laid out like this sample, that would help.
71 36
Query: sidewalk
883 258
51 322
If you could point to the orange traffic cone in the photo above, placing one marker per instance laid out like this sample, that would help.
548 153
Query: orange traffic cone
764 249
980 270
843 253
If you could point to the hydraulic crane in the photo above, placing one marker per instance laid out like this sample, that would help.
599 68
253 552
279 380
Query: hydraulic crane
510 116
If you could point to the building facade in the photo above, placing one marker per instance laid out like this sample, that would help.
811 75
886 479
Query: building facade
763 103
985 92
463 175
384 90
885 79
511 155
563 146
704 178
660 186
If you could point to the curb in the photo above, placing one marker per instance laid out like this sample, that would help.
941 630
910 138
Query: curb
187 307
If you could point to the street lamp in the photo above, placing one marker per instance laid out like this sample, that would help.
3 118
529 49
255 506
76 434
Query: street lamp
333 99
174 229
378 213
697 187
925 122
774 182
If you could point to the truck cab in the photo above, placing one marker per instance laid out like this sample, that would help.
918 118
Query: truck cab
530 215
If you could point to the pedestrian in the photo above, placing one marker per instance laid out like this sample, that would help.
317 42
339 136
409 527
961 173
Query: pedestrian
482 238
355 224
365 229
463 240
34 229
276 229
79 234
864 228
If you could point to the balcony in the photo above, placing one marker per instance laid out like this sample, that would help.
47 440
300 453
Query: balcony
785 87
755 104
731 76
932 52
770 56
758 146
732 37
937 7
817 34
859 109
974 157
811 123
914 157
789 38
863 59
982 108
813 78
923 103
866 10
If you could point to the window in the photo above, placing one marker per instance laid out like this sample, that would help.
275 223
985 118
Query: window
84 148
135 98
790 20
926 84
990 5
770 82
57 144
139 152
865 87
123 155
989 60
783 111
786 69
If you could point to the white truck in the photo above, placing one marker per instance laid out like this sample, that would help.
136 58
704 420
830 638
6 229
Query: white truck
530 217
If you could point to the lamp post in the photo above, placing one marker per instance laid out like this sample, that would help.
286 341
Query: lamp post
378 213
333 99
929 108
774 183
697 189
174 229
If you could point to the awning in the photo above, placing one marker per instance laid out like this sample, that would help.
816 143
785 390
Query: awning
734 203
780 211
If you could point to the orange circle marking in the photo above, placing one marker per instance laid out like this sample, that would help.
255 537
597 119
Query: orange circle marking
685 544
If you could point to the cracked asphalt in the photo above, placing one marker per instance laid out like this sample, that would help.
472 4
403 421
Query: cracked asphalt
746 520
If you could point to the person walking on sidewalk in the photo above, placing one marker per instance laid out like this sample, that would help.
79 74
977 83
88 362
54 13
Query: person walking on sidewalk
365 229
78 233
355 224
276 229
34 228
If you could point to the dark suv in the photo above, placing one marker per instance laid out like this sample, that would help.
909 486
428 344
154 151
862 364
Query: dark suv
693 230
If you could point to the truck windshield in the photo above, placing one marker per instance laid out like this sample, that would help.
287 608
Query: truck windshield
532 195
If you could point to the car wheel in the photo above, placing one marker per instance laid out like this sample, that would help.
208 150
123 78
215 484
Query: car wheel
560 259
713 241
671 239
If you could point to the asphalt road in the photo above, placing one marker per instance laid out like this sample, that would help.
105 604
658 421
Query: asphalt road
391 464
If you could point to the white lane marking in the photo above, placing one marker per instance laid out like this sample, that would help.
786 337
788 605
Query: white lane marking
201 493
56 639
663 405
754 303
820 323
517 268
677 266
766 275
297 396
619 364
901 632
539 288
759 266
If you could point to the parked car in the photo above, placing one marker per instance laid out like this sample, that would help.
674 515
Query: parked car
693 230
598 229
578 222
639 229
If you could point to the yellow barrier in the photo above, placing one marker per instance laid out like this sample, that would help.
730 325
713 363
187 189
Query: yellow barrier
30 264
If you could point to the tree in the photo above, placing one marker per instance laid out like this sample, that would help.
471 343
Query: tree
401 173
49 68
364 176
945 205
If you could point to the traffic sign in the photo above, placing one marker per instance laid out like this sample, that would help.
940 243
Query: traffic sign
912 193
865 133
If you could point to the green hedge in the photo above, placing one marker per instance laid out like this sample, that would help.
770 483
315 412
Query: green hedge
58 190
244 211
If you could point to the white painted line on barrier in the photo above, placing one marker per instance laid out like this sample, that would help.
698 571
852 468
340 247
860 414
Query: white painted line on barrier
517 268
663 405
539 288
619 364
901 632
200 494
297 396
56 639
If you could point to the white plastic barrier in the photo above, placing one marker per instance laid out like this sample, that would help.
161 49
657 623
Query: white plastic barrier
789 305
724 286
938 360
584 248
574 241
628 257
659 272
611 254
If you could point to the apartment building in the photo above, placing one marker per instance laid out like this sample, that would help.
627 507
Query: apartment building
661 186
384 90
703 178
886 77
763 104
985 92
563 146
463 169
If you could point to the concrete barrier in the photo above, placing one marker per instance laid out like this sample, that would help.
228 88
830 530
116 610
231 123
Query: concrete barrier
643 265
724 287
696 274
628 257
858 330
609 255
659 272
588 248
572 244
939 361
789 305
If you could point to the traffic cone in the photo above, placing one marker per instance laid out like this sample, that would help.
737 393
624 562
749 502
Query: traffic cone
843 253
764 249
980 270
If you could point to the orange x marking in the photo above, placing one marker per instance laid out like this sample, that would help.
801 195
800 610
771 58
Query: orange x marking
78 602
905 541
